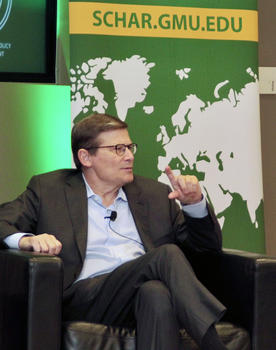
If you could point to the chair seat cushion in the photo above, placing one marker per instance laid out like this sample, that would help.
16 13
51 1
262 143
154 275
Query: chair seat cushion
91 336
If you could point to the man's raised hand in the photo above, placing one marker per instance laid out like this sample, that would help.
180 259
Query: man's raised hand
186 188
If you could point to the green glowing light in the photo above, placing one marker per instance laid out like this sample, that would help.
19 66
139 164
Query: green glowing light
35 127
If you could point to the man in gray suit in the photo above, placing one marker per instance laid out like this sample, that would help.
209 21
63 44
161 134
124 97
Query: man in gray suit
121 238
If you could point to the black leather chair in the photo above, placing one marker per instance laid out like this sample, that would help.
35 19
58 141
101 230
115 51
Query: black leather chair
31 298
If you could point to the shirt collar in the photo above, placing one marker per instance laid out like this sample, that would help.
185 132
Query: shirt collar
90 193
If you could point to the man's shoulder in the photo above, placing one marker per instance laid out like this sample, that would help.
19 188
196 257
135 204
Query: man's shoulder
59 172
142 179
56 176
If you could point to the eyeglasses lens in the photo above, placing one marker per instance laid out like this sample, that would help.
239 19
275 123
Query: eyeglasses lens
121 149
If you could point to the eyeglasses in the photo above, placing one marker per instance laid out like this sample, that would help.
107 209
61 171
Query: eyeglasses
121 148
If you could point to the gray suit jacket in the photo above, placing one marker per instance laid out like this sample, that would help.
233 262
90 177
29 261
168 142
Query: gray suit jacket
56 203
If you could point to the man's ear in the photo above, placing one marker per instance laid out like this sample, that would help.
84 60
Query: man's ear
84 157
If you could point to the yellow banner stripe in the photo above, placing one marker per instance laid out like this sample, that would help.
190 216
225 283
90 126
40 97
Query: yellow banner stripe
162 21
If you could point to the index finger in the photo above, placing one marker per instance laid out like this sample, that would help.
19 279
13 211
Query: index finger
171 177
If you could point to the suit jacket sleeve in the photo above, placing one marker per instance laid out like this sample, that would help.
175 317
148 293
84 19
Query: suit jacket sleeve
198 234
160 220
21 214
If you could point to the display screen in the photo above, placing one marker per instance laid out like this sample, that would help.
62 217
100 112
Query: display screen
27 40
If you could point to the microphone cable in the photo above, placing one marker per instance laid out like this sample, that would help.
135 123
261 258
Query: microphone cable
113 217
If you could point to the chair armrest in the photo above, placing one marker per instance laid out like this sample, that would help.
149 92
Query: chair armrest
249 283
246 284
30 300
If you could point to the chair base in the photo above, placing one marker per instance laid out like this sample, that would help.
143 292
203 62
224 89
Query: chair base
91 336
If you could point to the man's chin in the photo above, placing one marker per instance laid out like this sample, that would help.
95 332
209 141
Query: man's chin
129 178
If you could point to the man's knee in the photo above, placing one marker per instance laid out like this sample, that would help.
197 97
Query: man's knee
171 253
153 295
170 249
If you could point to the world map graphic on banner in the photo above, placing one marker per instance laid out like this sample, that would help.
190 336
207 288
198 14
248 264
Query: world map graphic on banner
218 165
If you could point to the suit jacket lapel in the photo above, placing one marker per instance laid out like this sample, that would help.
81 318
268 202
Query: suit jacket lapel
76 196
139 209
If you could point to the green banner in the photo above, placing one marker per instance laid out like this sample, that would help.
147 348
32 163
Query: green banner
184 78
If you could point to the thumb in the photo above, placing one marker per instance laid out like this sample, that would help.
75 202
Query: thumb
173 195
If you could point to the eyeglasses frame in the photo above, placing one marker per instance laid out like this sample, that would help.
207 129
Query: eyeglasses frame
131 145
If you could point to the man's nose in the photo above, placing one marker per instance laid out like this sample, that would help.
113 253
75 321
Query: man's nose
128 154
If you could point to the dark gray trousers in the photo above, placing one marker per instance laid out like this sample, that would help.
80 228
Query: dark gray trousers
158 293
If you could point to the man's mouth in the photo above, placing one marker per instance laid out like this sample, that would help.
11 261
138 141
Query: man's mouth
128 169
